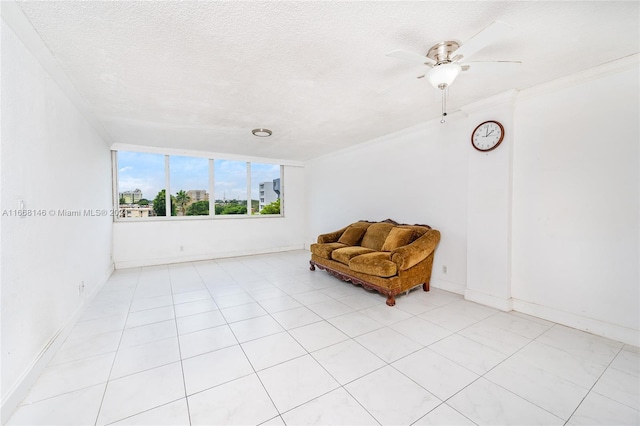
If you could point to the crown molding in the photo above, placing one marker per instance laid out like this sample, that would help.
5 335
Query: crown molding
16 20
600 71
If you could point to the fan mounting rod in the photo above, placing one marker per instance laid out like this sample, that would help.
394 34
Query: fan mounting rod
441 52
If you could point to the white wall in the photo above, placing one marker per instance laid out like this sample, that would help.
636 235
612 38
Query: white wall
137 243
418 175
573 253
575 205
52 158
489 192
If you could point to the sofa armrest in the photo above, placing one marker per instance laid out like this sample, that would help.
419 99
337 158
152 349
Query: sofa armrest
331 237
412 254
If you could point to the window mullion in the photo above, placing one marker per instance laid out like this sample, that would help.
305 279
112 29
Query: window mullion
212 189
167 192
114 183
281 195
248 188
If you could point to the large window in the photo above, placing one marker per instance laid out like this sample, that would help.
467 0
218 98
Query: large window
198 186
265 187
230 187
141 183
190 185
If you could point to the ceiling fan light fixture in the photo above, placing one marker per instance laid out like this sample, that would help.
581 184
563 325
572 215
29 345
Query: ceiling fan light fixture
262 133
441 76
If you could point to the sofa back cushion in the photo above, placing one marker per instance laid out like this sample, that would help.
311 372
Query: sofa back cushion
352 235
376 235
398 237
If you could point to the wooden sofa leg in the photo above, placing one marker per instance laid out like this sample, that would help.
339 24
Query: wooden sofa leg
425 287
312 266
391 300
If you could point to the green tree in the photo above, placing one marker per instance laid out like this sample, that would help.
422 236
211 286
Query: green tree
122 200
199 208
235 209
143 202
159 204
272 208
182 199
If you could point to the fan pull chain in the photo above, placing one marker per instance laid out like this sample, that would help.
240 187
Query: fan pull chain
443 88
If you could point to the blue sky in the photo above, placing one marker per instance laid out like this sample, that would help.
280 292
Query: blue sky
144 171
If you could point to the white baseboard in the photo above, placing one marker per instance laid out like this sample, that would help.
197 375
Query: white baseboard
489 300
27 379
610 331
448 286
136 263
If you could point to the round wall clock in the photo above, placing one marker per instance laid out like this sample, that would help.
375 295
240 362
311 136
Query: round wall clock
487 136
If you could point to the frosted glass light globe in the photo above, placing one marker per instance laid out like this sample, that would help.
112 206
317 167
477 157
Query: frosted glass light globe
443 75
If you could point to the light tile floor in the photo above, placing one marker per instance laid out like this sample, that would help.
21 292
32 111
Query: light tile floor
263 340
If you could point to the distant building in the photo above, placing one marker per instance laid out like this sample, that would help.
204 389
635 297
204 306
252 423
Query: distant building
131 197
196 195
269 192
136 211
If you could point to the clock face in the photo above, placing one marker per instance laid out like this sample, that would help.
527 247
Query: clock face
487 136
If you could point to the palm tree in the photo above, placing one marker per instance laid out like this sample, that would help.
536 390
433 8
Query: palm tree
182 199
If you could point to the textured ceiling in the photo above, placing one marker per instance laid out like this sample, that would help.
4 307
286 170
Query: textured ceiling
201 75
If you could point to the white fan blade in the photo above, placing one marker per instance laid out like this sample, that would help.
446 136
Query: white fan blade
492 66
411 57
484 38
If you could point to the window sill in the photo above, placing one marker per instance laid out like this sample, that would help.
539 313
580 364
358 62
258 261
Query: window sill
196 218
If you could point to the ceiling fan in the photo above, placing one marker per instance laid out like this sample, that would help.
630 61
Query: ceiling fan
448 59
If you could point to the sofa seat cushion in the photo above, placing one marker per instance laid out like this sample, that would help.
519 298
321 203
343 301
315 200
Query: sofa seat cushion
344 254
376 263
324 250
376 235
397 237
352 235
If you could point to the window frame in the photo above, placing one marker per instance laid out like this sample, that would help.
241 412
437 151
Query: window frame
211 190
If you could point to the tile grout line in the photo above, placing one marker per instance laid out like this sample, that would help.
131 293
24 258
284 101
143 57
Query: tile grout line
307 353
257 376
386 364
251 364
115 357
497 384
594 385
462 366
175 318
251 266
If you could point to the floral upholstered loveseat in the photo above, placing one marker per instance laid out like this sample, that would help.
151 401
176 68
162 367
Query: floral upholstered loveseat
386 256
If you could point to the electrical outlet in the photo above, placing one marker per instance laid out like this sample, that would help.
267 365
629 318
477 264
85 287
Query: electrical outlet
181 248
81 287
444 269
